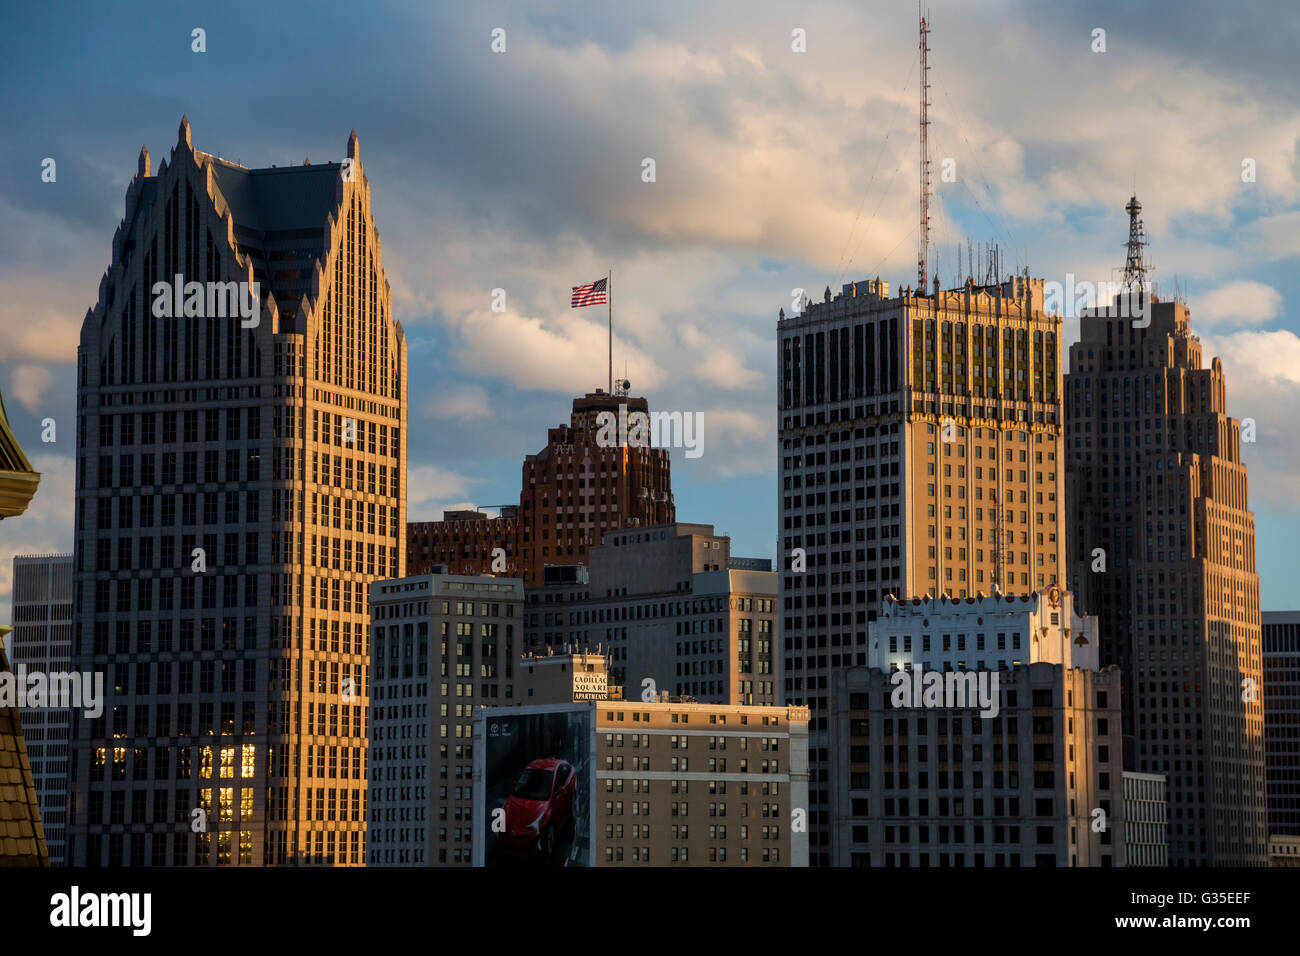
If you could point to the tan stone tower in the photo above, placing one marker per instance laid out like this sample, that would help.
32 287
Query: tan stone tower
1162 550
240 482
920 454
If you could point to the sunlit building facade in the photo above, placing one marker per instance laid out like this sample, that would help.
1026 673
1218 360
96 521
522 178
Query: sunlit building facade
239 485
920 453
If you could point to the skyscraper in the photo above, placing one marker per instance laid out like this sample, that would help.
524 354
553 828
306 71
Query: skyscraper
920 454
1282 720
572 492
445 645
1162 551
42 641
241 448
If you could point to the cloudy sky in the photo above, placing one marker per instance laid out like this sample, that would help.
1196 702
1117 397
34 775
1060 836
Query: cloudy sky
776 170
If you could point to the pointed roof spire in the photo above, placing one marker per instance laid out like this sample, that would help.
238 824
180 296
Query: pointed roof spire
354 149
142 167
184 135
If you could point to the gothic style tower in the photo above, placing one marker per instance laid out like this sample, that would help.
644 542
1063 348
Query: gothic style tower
241 449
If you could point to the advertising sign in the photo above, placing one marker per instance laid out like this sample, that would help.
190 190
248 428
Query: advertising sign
536 780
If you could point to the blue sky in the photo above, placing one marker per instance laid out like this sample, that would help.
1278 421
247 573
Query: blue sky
775 171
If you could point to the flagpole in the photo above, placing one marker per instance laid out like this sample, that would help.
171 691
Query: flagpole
609 300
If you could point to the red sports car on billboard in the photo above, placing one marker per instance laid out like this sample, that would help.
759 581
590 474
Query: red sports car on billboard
540 809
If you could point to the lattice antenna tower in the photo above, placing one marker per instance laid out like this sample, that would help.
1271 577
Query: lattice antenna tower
922 259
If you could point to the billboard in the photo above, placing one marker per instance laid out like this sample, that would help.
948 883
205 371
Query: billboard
537 788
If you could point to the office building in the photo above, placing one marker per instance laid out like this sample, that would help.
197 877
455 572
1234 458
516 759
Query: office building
442 645
1162 551
573 491
1146 820
673 611
548 607
241 454
937 786
42 641
1018 763
1281 637
919 454
627 783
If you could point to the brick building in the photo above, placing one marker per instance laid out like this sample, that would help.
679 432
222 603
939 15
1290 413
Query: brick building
572 492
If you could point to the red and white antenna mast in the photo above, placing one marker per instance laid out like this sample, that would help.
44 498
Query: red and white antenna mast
922 259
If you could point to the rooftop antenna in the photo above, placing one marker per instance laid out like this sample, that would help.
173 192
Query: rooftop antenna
922 259
1135 268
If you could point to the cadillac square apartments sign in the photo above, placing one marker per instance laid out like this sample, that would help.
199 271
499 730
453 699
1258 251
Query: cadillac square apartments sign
590 686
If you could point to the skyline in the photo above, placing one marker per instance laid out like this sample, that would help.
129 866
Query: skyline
725 226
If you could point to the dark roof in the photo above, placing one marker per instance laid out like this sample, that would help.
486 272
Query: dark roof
22 838
280 215
278 198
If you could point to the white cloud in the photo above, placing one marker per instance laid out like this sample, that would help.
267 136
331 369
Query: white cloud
1262 370
554 354
28 383
50 278
460 402
726 370
429 483
735 442
1237 303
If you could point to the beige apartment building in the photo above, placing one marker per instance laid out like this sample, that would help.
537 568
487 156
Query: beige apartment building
241 455
664 783
920 454
1162 551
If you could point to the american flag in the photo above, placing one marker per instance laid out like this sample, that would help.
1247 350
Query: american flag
593 293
